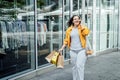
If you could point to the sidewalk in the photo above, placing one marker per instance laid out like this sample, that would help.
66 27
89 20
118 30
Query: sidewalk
102 67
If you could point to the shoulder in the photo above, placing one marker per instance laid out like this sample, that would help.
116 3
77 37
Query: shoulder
69 29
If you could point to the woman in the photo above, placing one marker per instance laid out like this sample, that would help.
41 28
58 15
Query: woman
76 41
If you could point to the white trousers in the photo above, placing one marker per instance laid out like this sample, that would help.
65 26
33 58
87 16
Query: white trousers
78 60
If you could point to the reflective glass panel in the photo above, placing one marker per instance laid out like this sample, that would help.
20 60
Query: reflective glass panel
16 36
49 26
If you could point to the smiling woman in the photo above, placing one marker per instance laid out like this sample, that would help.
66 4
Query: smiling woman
76 41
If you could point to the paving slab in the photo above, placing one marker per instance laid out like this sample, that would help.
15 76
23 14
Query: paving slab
101 67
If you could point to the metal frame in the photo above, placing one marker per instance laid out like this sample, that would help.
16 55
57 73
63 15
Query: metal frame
35 28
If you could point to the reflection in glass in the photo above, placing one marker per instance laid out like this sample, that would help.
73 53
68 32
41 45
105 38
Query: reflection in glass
16 37
49 26
108 3
75 5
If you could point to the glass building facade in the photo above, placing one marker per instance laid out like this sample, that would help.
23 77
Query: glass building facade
31 29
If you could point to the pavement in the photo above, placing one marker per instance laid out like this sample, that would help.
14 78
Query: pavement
102 67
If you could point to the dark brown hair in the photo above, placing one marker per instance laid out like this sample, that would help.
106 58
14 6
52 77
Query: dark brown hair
70 22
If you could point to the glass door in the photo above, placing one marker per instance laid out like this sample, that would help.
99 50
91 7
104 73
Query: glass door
49 25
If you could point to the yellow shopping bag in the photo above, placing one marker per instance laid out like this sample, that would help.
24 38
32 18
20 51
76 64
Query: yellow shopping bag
53 57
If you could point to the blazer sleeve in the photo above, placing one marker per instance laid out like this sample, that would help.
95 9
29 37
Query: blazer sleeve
85 31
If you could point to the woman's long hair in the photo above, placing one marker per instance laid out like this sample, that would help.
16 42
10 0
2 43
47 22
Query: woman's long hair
70 22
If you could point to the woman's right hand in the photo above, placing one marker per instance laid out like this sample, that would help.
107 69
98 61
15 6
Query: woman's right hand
63 46
60 50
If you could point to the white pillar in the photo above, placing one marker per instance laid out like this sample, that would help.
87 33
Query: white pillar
119 26
83 11
94 26
71 7
63 24
78 7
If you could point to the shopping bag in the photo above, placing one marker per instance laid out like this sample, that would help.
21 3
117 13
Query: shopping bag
49 57
52 57
60 62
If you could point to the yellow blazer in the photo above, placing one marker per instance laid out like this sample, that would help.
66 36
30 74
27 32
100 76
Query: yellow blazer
83 32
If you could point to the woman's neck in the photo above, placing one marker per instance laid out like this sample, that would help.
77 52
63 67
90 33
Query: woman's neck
75 26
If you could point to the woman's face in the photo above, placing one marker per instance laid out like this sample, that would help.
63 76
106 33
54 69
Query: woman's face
76 20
